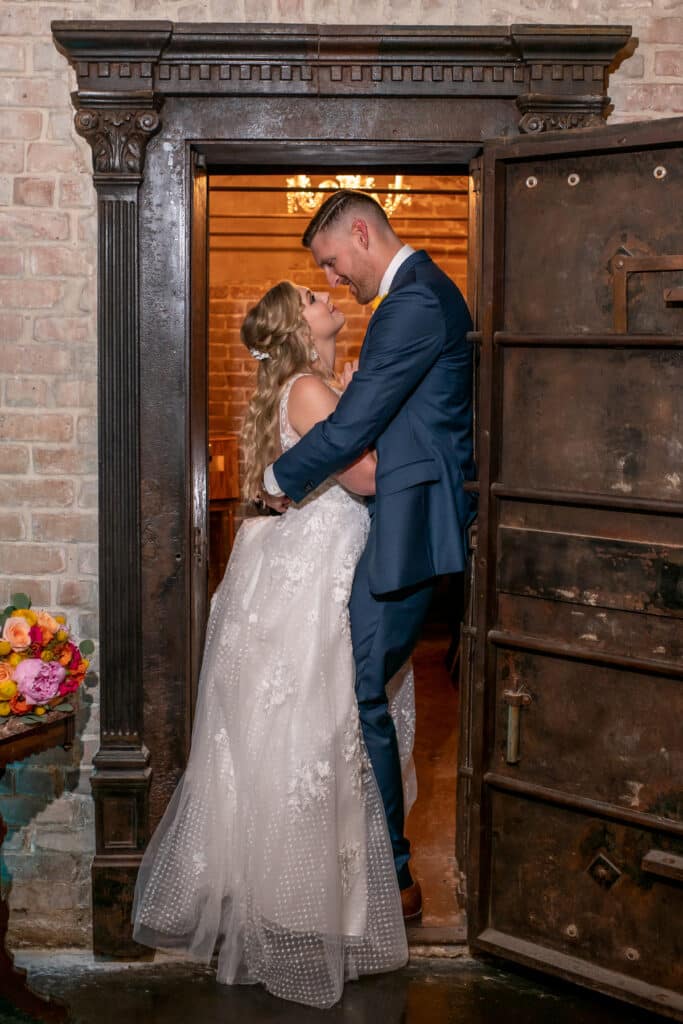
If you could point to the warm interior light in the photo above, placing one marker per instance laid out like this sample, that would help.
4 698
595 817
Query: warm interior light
302 197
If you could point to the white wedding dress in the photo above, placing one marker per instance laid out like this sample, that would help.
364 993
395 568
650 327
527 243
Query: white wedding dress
274 849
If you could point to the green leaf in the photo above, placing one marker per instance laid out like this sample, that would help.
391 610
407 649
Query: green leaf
32 718
9 609
20 600
64 707
86 647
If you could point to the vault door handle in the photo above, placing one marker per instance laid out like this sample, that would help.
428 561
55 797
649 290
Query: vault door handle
515 700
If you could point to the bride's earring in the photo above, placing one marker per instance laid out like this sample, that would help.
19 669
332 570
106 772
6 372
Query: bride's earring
314 355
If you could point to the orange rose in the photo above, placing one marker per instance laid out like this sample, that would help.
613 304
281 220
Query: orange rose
17 633
19 704
5 672
47 624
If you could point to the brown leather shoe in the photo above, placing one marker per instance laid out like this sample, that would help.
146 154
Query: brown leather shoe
411 899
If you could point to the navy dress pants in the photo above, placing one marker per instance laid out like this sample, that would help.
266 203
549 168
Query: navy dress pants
384 631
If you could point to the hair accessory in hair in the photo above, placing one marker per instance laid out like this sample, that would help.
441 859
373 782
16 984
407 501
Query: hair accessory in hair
258 355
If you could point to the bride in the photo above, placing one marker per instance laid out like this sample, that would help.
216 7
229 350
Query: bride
274 849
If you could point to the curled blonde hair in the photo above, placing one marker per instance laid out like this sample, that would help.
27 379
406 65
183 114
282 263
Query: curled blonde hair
276 327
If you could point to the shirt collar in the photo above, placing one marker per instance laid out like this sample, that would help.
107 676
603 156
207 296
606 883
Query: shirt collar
390 273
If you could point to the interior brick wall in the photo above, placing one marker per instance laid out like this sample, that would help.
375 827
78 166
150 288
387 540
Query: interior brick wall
48 492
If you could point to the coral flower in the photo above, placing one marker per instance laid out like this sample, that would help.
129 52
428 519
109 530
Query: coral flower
46 621
5 672
17 632
19 705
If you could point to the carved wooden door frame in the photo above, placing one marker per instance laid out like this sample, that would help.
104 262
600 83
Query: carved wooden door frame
149 96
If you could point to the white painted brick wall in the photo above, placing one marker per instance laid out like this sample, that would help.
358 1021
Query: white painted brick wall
48 492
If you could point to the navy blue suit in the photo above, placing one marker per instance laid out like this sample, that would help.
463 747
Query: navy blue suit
411 399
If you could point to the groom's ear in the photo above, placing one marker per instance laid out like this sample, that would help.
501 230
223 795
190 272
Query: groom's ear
359 231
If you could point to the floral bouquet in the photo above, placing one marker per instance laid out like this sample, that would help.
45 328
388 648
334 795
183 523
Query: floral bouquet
40 664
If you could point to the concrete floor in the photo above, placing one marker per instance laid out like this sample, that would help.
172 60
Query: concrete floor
429 991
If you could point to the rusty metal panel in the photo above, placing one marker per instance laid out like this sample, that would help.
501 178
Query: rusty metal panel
586 894
576 813
568 224
616 414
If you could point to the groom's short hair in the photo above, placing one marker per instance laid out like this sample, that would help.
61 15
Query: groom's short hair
335 206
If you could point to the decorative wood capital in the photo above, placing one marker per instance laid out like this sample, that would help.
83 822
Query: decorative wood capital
118 138
542 113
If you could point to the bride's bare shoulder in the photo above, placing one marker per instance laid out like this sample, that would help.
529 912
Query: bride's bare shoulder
310 400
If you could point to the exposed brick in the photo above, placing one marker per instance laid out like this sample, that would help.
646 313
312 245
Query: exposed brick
14 458
30 294
63 328
20 124
87 494
30 558
51 157
663 30
664 98
669 63
32 427
36 898
78 593
87 560
32 92
17 811
46 57
55 461
11 526
40 591
86 429
70 527
5 190
35 781
60 125
11 157
89 625
36 493
20 225
75 394
11 262
59 261
60 865
37 358
634 67
76 191
12 57
34 191
28 392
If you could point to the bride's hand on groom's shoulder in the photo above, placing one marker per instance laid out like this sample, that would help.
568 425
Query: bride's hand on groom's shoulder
348 372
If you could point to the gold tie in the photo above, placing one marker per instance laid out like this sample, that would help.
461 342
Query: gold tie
376 301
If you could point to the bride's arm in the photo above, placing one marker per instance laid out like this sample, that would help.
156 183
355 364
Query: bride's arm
311 401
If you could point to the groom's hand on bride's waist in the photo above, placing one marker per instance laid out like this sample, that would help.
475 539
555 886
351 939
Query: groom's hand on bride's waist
272 495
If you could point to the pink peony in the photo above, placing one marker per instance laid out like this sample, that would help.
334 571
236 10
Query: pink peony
38 680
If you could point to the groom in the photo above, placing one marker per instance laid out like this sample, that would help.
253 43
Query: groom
410 399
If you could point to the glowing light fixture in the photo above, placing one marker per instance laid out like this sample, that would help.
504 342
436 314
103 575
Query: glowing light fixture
305 198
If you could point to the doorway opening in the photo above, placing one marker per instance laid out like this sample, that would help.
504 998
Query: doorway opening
255 226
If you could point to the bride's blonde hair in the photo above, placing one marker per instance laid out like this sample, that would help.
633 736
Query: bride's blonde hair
275 330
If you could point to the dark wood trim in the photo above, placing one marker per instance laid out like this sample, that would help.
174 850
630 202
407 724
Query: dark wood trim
589 340
587 499
253 98
502 638
599 808
573 968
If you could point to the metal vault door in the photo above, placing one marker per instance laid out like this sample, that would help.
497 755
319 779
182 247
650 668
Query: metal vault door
575 862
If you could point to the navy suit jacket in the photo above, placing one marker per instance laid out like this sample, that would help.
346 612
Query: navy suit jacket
411 398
